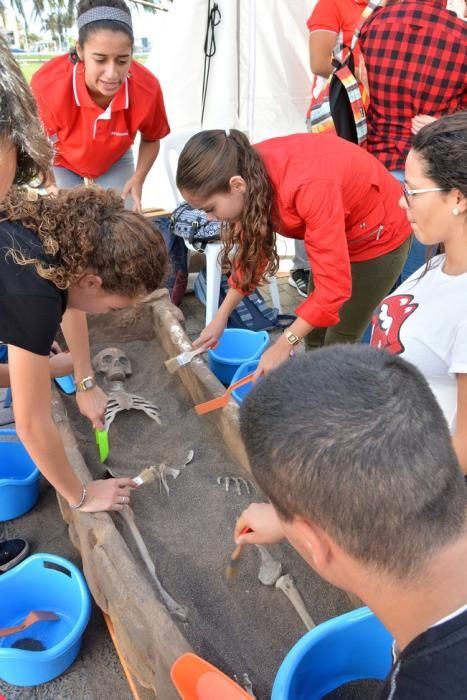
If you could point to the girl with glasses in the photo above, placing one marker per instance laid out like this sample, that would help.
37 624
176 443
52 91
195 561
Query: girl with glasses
425 319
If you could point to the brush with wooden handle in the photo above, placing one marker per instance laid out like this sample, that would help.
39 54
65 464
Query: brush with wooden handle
232 569
221 401
147 476
174 364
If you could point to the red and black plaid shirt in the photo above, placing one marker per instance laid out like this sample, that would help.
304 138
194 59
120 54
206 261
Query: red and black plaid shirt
416 58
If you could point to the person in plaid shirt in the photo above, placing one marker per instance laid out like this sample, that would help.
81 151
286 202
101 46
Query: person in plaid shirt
415 56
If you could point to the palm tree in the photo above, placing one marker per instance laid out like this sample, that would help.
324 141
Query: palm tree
60 14
2 12
18 7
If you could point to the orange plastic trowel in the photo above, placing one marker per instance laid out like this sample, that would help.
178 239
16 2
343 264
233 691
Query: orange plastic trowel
197 679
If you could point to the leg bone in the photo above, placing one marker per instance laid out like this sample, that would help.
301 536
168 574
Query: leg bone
270 568
287 586
174 608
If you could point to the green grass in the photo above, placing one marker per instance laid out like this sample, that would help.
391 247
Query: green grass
29 69
38 60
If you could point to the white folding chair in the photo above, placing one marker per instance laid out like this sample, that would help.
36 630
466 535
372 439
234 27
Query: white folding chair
171 148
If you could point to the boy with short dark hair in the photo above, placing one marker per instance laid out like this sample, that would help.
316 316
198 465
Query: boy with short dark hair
354 453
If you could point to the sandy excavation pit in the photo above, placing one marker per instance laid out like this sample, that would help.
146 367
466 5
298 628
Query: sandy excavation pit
239 625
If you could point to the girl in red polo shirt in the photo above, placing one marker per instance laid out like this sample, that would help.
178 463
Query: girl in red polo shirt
318 188
94 102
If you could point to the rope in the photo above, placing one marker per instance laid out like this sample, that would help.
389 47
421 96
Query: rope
214 18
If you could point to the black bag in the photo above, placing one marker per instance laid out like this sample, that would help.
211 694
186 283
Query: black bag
194 226
339 108
252 313
341 105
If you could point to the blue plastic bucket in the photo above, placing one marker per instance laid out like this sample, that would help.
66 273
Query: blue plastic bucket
245 369
66 384
42 582
353 646
236 346
19 478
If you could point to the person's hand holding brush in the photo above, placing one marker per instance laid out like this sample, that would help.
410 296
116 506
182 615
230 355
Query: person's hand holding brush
263 524
258 524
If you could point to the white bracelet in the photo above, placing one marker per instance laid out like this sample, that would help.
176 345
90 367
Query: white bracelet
81 500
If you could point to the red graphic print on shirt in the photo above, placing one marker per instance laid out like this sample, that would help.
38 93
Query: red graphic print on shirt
387 322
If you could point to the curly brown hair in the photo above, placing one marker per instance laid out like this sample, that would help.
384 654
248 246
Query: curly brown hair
88 228
207 163
19 121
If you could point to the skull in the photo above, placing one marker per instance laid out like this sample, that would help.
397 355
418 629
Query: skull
113 363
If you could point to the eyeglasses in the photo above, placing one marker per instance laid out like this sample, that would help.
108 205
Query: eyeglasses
410 193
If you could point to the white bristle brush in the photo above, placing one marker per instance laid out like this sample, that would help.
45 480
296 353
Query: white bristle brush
145 477
183 359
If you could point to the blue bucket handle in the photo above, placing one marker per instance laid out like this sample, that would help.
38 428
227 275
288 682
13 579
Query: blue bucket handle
8 431
56 567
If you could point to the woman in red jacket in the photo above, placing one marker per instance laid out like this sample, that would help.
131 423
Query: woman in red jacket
318 188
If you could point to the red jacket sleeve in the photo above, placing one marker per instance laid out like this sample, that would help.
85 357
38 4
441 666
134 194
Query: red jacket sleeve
320 206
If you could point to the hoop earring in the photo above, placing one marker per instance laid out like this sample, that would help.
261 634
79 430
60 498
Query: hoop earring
455 211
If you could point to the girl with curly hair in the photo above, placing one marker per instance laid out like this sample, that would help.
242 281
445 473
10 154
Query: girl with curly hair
61 257
95 101
321 189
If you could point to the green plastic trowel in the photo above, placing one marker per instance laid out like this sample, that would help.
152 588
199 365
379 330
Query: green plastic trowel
102 441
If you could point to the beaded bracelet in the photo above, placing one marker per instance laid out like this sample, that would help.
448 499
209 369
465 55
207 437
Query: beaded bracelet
81 500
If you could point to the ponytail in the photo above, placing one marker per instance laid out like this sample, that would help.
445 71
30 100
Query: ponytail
206 165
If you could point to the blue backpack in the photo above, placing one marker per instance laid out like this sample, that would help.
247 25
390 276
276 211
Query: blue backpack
252 313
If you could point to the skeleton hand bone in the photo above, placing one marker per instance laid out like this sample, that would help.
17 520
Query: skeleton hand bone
238 482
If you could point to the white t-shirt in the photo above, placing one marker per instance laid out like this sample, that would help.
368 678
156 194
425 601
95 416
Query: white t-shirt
425 321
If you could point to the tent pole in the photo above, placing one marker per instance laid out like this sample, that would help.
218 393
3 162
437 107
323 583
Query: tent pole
251 71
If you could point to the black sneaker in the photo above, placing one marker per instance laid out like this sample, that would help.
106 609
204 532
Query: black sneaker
12 552
300 279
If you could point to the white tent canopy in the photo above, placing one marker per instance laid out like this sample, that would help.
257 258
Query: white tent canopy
259 78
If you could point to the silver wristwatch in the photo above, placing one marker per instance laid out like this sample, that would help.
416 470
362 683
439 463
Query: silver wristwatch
86 384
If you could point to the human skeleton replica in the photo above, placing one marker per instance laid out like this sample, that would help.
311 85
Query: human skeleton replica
116 367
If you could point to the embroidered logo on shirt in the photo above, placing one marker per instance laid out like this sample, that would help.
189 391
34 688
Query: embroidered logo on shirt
388 320
119 133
